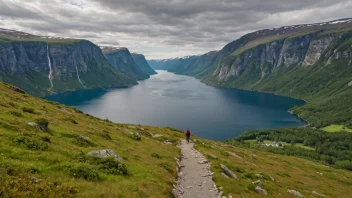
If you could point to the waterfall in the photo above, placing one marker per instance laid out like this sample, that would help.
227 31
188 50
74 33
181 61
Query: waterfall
49 63
79 78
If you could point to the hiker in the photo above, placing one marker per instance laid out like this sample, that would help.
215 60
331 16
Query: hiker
188 135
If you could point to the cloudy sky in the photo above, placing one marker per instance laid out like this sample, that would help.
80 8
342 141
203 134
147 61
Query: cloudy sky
164 28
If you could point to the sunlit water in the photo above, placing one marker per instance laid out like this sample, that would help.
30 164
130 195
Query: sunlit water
178 101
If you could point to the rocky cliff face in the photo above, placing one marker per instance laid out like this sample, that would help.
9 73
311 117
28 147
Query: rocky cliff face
142 63
310 61
45 66
122 60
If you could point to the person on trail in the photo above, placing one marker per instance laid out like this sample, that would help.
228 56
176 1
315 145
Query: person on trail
188 135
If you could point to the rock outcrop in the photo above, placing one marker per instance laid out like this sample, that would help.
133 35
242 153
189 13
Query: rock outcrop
105 153
42 66
142 63
122 60
227 171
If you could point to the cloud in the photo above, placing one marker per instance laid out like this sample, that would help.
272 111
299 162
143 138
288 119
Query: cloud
163 28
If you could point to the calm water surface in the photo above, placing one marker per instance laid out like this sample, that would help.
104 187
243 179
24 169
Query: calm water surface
167 99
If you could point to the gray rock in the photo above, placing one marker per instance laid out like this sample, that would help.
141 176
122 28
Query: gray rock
223 174
259 175
235 155
35 179
350 83
141 129
38 126
84 137
132 127
257 182
318 194
260 190
295 193
228 172
105 153
213 156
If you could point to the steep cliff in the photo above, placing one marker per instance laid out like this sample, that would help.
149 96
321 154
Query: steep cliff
310 61
43 65
122 60
142 63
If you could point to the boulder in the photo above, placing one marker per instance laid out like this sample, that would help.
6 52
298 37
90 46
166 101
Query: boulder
317 194
131 127
260 190
41 127
295 193
224 175
105 153
257 182
228 172
235 155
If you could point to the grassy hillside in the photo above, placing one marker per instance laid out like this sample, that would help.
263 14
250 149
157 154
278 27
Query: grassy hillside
54 162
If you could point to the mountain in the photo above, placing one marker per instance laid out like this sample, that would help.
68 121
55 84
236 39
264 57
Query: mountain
122 60
44 66
142 63
310 61
52 150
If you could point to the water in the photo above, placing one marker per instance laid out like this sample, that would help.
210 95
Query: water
167 99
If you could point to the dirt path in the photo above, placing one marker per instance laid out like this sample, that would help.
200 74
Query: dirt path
194 177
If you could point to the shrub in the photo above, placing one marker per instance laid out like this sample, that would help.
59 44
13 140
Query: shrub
42 122
248 175
346 164
71 120
83 172
166 166
111 166
12 104
155 155
105 135
83 142
30 143
28 110
16 113
136 136
22 186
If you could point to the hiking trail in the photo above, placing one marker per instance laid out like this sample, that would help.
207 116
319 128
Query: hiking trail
194 176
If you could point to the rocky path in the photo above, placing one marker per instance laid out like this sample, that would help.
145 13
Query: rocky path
194 177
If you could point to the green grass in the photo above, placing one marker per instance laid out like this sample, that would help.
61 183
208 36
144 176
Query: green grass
58 158
336 128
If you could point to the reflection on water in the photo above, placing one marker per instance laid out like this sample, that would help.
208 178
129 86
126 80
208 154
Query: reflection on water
183 102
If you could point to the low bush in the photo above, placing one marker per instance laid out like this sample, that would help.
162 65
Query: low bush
166 166
84 173
83 142
111 166
16 113
155 155
31 143
28 110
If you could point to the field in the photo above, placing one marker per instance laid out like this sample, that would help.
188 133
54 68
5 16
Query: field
336 128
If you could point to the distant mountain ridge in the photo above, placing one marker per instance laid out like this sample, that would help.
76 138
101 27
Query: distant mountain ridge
142 63
308 61
122 60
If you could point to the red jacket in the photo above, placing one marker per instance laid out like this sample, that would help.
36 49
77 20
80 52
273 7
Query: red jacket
188 132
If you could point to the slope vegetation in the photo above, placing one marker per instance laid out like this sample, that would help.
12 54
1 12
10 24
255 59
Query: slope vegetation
44 150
